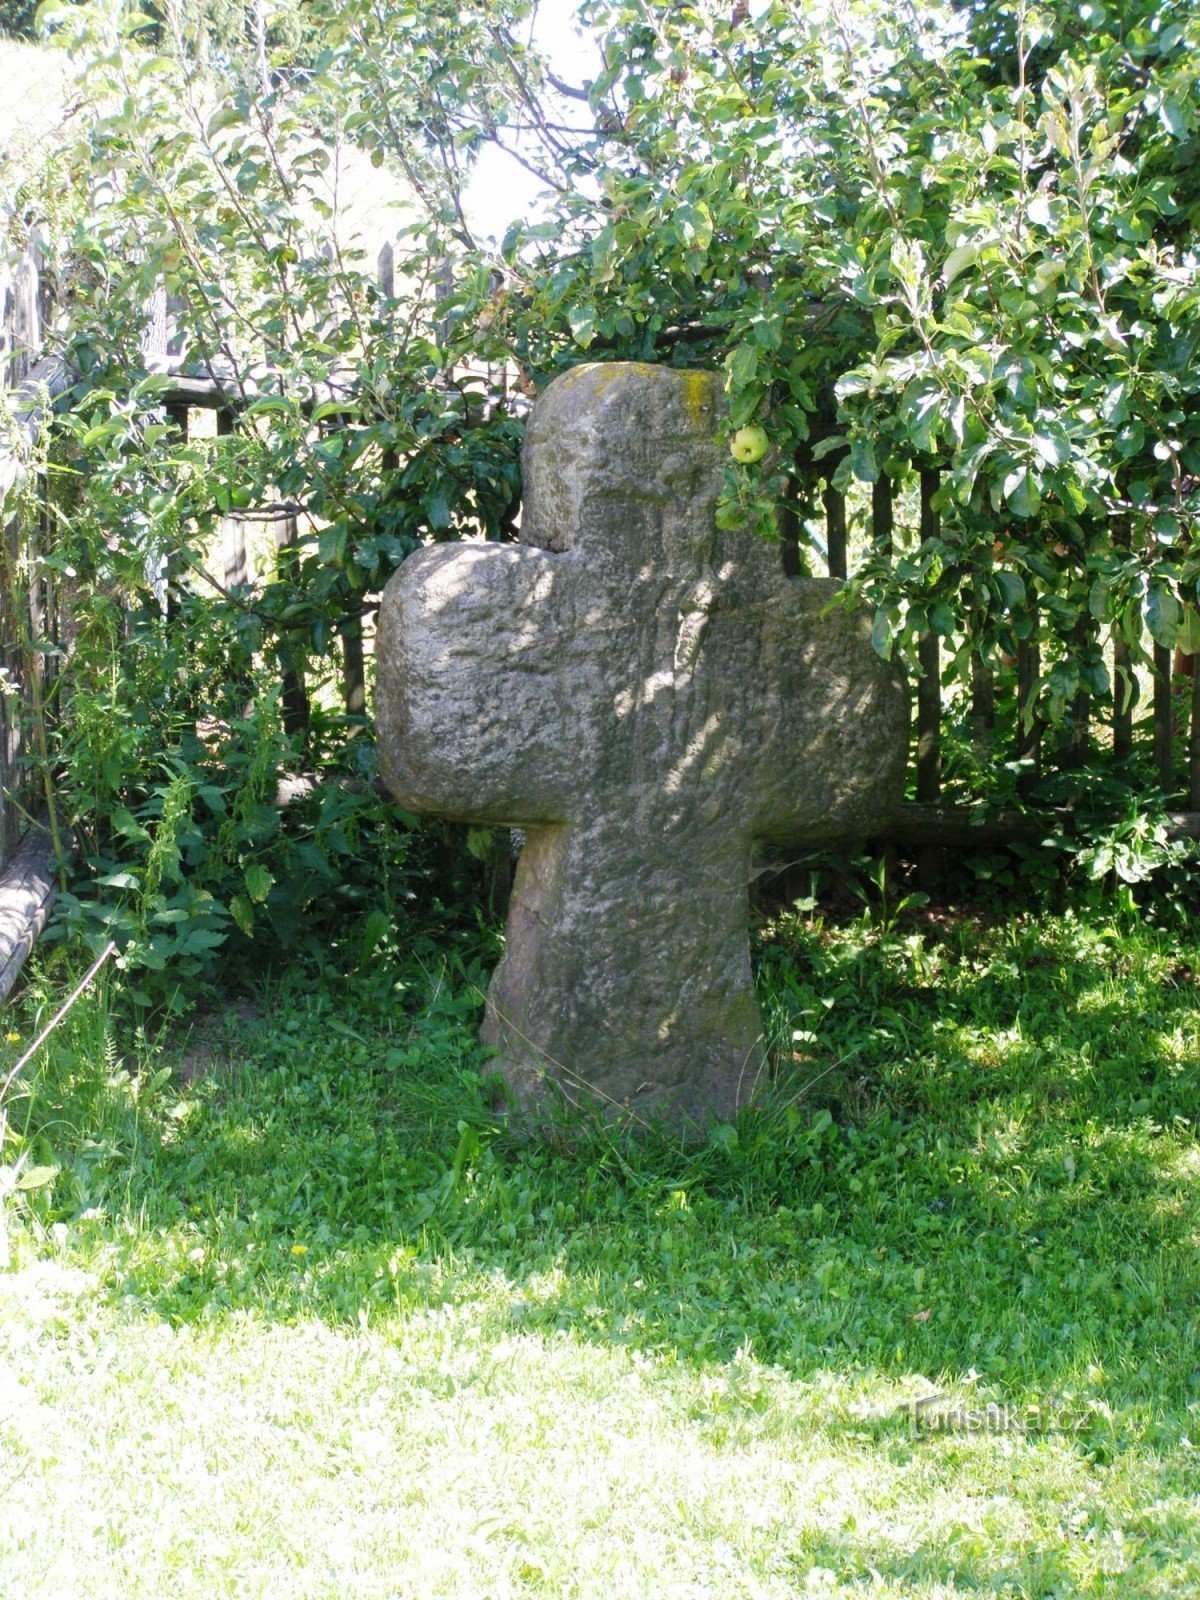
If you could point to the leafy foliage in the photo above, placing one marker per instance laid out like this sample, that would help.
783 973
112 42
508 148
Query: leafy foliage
912 243
961 236
17 18
210 171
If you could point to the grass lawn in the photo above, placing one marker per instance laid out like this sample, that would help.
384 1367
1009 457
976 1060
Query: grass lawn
317 1323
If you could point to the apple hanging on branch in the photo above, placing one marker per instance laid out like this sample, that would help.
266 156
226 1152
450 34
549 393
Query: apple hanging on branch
749 444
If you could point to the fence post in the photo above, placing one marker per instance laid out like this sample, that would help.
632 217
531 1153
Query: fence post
354 671
883 517
983 679
10 719
983 700
385 271
1164 761
354 667
789 522
1080 707
883 529
931 859
1029 724
835 530
1123 679
22 309
23 314
929 690
295 691
929 717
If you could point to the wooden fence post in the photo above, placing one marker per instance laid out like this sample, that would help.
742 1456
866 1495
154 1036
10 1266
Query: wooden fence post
929 719
983 680
291 659
1164 759
22 317
1029 725
835 530
930 859
354 666
1124 682
1077 749
385 271
883 517
883 530
929 690
354 671
789 520
10 714
983 701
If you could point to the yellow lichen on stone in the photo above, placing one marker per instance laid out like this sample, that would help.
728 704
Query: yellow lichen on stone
698 395
607 380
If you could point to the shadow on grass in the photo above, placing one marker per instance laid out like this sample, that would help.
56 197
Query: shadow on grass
983 1160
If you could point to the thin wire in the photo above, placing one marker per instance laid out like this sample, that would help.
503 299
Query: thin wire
58 1017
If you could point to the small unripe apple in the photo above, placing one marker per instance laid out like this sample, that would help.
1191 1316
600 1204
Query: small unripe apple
749 444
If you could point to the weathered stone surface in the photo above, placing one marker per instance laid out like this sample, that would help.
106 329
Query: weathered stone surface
647 696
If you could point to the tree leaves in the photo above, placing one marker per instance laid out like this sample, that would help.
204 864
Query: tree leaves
1164 614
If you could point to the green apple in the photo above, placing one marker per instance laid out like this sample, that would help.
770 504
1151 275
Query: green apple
749 444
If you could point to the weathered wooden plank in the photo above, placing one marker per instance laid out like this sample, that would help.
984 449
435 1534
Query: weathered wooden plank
1164 760
883 517
11 717
27 887
929 687
1194 740
21 322
919 826
929 718
291 657
233 550
386 271
983 700
205 394
1077 748
10 755
789 522
835 531
1124 683
156 336
354 670
1029 725
23 316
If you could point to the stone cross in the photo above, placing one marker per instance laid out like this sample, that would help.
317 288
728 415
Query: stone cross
648 696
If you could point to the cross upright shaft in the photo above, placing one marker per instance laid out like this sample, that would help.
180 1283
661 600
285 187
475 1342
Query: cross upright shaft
647 696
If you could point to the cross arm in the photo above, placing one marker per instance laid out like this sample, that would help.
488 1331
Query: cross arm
835 718
468 700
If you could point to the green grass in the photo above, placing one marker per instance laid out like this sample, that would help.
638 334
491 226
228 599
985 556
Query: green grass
320 1324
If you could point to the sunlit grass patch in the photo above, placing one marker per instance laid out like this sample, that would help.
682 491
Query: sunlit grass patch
318 1322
